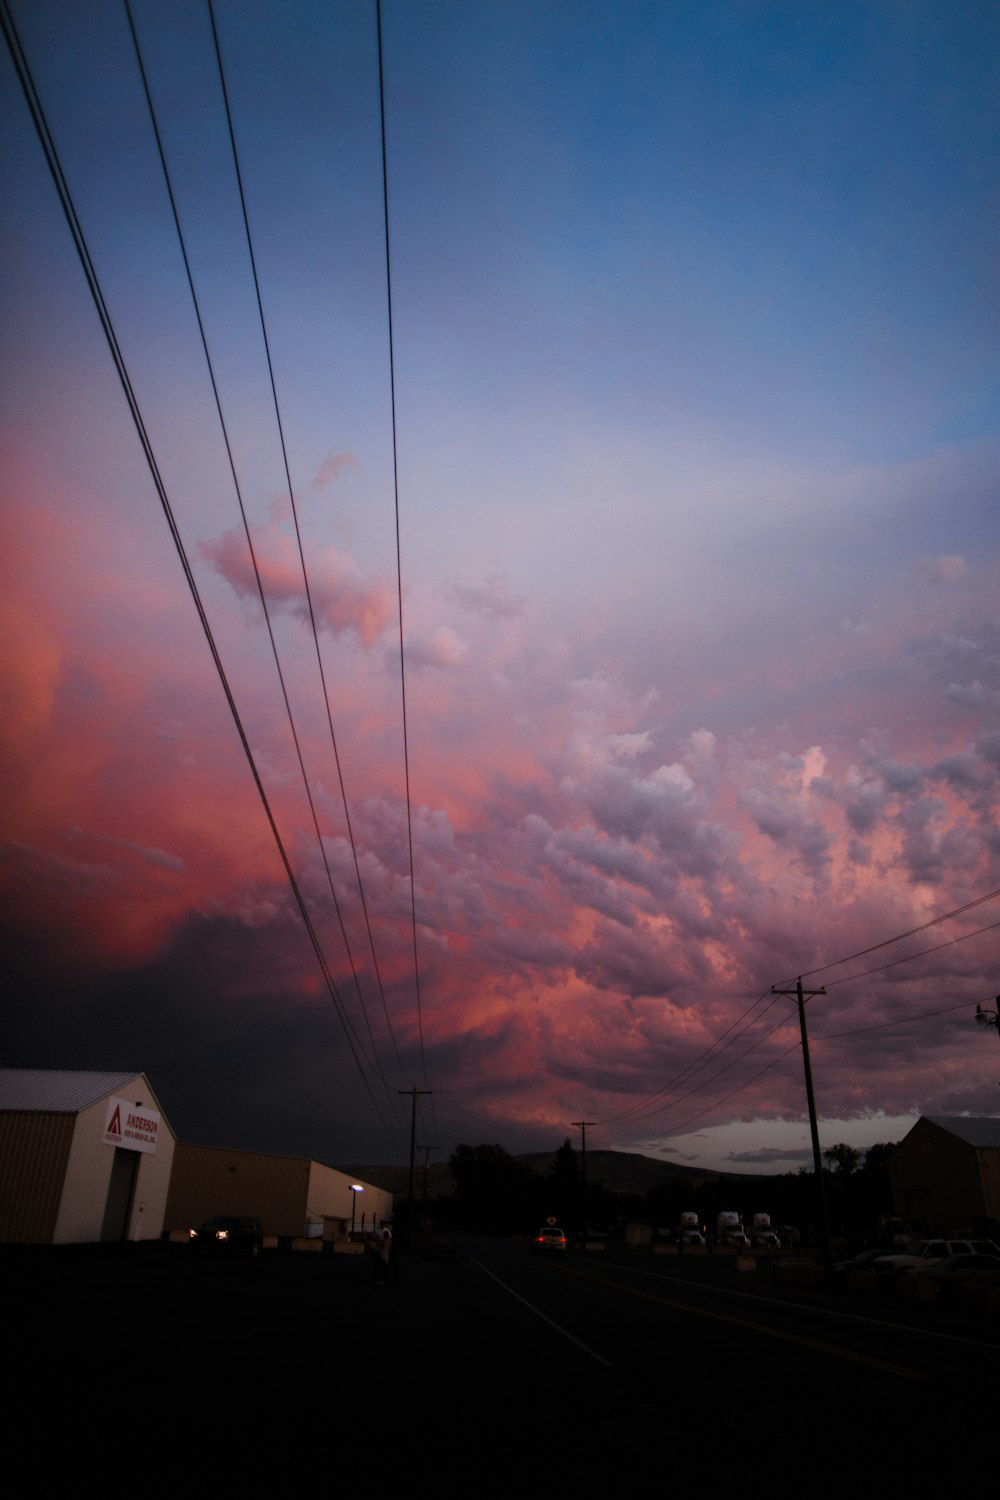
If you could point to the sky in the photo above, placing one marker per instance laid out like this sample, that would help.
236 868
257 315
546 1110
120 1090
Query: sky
697 428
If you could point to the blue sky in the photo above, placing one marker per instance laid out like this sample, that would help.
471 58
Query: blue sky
694 316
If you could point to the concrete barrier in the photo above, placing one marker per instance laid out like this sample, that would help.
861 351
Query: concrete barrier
797 1272
864 1281
916 1288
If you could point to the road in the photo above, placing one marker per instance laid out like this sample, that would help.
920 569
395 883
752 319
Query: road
481 1366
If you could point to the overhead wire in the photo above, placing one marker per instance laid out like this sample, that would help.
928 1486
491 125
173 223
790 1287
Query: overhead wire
642 1110
298 531
373 1058
399 555
53 162
887 942
671 1103
720 1044
822 1037
908 958
715 1104
923 1015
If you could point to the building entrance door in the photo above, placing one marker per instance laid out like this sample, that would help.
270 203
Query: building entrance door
116 1209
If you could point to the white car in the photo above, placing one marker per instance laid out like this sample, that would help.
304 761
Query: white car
928 1252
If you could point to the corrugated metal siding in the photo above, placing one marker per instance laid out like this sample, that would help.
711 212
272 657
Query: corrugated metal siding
54 1091
208 1180
979 1130
34 1151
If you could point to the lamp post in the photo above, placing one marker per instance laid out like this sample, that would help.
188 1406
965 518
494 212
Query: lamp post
356 1188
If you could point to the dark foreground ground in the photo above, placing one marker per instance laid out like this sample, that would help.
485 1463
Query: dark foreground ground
478 1370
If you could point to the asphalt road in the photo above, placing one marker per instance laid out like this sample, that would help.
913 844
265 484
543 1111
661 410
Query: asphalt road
482 1368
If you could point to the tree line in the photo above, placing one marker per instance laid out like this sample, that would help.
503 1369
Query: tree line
496 1193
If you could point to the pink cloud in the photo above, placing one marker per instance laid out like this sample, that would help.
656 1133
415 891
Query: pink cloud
492 599
332 467
342 599
941 569
441 648
606 874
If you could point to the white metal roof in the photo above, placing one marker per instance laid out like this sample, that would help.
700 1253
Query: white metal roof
65 1092
981 1131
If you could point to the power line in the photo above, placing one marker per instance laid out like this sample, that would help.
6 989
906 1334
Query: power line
298 532
399 563
910 956
822 1037
887 942
924 1015
641 1108
707 1083
695 1066
374 1058
53 162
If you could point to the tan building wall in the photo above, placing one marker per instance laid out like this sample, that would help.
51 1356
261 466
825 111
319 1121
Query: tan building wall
56 1170
88 1176
290 1194
330 1198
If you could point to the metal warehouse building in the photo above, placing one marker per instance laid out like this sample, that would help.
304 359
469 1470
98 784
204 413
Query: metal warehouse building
292 1196
83 1157
946 1172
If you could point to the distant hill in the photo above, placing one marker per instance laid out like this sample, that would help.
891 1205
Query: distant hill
620 1171
627 1172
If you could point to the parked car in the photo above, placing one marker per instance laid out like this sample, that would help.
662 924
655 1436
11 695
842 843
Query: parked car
929 1252
865 1260
963 1268
230 1233
548 1239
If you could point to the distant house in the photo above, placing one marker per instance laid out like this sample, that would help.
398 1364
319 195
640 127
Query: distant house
292 1195
946 1173
84 1156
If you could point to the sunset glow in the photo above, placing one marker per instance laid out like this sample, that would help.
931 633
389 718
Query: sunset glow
694 330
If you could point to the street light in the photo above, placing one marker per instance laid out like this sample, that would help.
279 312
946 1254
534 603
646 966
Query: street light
356 1188
989 1018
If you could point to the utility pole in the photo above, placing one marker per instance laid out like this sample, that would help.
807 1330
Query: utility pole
423 1189
413 1146
801 996
582 1127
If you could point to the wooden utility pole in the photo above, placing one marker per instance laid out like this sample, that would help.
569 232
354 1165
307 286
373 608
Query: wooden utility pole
801 996
413 1147
423 1189
582 1127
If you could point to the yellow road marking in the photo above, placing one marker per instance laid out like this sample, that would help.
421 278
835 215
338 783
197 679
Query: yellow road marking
775 1333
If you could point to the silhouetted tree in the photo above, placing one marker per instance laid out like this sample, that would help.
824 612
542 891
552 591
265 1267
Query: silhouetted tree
878 1157
843 1159
565 1182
